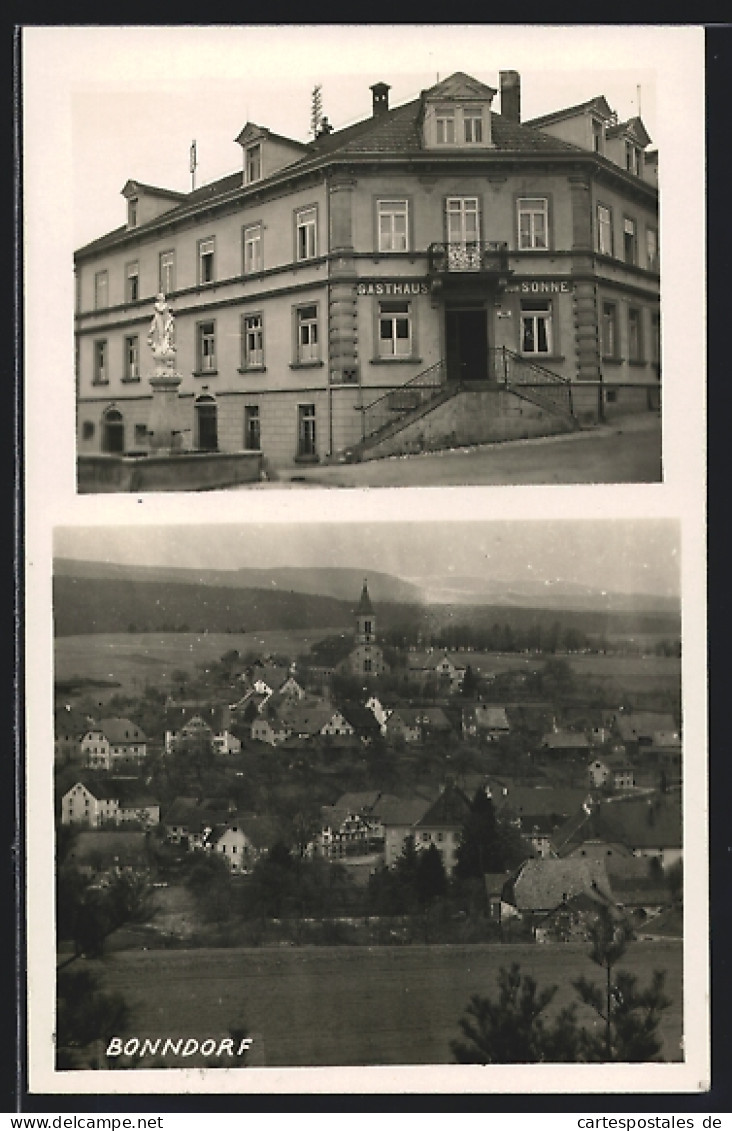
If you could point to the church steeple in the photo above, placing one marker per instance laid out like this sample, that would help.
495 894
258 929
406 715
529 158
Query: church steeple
365 619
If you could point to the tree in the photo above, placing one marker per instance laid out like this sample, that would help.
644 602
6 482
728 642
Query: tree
430 879
85 1014
631 1016
487 842
513 1030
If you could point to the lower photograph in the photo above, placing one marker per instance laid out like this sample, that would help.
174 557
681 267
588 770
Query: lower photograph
368 794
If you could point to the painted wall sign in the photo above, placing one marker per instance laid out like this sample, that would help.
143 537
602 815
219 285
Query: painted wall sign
540 287
393 287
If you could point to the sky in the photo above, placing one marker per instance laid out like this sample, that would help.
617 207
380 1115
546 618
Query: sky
132 99
619 556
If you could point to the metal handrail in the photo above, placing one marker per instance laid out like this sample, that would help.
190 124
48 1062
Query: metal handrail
419 390
548 388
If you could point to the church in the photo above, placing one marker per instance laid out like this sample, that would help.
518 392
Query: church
366 658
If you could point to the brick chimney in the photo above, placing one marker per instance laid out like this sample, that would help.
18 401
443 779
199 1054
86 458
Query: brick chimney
510 95
380 92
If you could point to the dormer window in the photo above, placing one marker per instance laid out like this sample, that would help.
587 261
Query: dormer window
473 125
253 163
445 125
632 158
598 136
132 212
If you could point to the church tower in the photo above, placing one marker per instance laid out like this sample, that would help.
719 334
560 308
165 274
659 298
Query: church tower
365 618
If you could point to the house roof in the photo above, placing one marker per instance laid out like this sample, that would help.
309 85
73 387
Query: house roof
396 811
541 885
449 810
358 802
541 801
634 128
119 731
652 822
394 133
487 718
598 105
102 788
644 724
361 718
71 724
565 740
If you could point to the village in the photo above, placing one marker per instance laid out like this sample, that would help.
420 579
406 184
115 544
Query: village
367 770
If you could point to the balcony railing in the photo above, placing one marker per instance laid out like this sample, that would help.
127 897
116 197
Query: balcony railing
488 256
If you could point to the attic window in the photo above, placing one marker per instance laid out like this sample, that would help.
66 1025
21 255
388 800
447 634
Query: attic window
598 133
445 124
132 212
473 125
253 163
632 158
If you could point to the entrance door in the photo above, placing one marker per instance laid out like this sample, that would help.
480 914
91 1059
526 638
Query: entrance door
206 425
466 345
113 432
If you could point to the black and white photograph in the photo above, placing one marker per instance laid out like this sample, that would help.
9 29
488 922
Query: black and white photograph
380 275
384 794
365 739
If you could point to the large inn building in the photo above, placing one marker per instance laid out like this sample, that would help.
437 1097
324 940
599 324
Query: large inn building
433 273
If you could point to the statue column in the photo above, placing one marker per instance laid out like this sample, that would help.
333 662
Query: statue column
163 434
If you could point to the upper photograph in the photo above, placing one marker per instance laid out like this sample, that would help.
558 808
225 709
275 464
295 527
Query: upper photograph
446 288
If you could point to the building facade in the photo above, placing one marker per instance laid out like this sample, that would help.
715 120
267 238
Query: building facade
435 272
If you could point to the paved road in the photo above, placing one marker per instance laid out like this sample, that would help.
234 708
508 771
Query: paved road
626 451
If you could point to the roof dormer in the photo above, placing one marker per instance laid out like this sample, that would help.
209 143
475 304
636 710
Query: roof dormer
146 202
456 114
625 144
265 152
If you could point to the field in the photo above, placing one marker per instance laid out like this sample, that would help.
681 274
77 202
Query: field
346 1006
134 659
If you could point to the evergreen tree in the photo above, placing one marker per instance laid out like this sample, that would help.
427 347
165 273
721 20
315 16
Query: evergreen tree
513 1030
430 877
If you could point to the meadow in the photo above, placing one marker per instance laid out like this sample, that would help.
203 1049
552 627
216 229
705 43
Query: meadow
345 1006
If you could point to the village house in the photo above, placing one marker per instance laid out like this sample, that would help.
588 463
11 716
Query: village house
611 771
404 725
649 827
242 841
480 720
101 802
539 887
210 724
363 722
70 727
271 731
643 729
439 822
189 822
113 744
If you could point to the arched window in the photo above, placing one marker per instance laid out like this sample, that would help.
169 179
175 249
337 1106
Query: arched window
113 431
206 425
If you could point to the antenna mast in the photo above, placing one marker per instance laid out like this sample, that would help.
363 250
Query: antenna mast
193 164
316 109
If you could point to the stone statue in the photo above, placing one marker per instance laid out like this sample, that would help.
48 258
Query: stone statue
161 336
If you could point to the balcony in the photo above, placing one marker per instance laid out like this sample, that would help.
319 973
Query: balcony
483 257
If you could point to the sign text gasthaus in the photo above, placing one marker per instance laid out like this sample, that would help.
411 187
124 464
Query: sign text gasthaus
394 287
540 287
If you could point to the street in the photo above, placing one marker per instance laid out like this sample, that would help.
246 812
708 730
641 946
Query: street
626 451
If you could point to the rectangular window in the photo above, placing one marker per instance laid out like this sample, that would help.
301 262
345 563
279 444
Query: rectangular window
463 219
253 341
132 212
652 249
307 334
306 430
252 433
635 336
306 233
101 374
597 136
604 230
206 261
140 438
395 329
132 358
533 223
632 158
252 249
253 163
630 249
132 282
101 290
536 327
206 347
393 222
445 126
609 330
166 272
473 123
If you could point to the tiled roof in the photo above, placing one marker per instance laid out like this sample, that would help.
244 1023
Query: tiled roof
541 801
118 730
565 740
541 885
449 810
644 724
598 103
650 822
395 811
